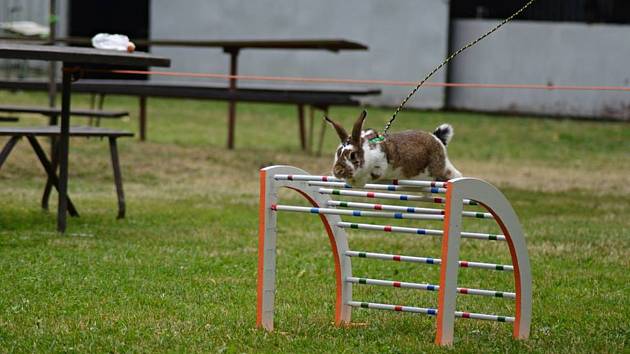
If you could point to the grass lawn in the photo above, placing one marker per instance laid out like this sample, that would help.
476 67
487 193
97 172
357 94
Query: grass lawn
179 273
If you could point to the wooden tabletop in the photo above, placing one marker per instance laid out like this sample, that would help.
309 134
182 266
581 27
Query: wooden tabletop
333 44
79 55
55 131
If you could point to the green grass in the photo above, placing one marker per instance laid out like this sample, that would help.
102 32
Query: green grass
179 273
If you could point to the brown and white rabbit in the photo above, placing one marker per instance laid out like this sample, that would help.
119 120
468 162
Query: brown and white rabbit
364 157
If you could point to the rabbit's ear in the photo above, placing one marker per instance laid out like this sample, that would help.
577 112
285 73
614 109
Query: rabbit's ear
358 126
343 135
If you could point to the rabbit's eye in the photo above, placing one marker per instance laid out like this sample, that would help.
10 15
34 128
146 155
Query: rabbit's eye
353 156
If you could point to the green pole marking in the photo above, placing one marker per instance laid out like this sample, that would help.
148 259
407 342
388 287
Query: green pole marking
480 215
499 267
336 191
362 255
365 305
362 281
492 237
343 204
498 294
354 226
52 19
501 319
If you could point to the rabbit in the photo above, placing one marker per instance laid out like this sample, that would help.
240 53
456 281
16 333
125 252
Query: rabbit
365 157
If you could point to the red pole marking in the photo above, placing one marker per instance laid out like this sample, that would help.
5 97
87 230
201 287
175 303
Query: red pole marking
396 284
397 308
370 194
273 207
395 182
387 229
466 315
324 178
290 177
463 264
378 207
438 200
376 82
396 258
463 290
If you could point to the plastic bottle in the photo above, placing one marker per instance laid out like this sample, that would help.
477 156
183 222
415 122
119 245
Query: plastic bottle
113 42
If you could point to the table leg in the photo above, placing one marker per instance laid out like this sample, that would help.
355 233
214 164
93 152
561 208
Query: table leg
143 118
232 103
50 171
101 102
92 106
6 150
117 177
302 126
64 143
322 132
310 128
49 182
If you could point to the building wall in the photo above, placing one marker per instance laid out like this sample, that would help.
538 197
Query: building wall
407 38
543 53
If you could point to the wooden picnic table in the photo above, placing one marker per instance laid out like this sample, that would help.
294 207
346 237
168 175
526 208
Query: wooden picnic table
73 58
233 48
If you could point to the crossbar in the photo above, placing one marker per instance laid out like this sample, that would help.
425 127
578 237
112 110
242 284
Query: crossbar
378 195
429 311
427 260
381 187
358 213
413 230
387 207
429 287
306 178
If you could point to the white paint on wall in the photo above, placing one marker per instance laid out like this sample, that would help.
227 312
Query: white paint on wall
526 52
406 39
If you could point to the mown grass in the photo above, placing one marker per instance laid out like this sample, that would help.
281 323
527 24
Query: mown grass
179 273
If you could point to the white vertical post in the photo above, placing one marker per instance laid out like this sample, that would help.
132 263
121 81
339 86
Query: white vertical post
266 252
267 245
447 295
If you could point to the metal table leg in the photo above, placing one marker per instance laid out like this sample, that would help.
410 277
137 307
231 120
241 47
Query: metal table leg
64 143
143 118
50 171
232 104
117 177
6 150
302 129
49 183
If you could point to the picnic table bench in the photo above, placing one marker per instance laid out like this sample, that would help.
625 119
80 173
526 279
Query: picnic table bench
73 60
50 165
316 99
53 112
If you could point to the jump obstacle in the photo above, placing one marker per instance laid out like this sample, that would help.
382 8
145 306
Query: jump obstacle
454 194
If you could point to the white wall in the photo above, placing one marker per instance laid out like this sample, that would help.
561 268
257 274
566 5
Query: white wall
541 53
407 38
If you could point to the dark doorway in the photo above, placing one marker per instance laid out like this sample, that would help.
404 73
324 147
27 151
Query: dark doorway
589 11
128 17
